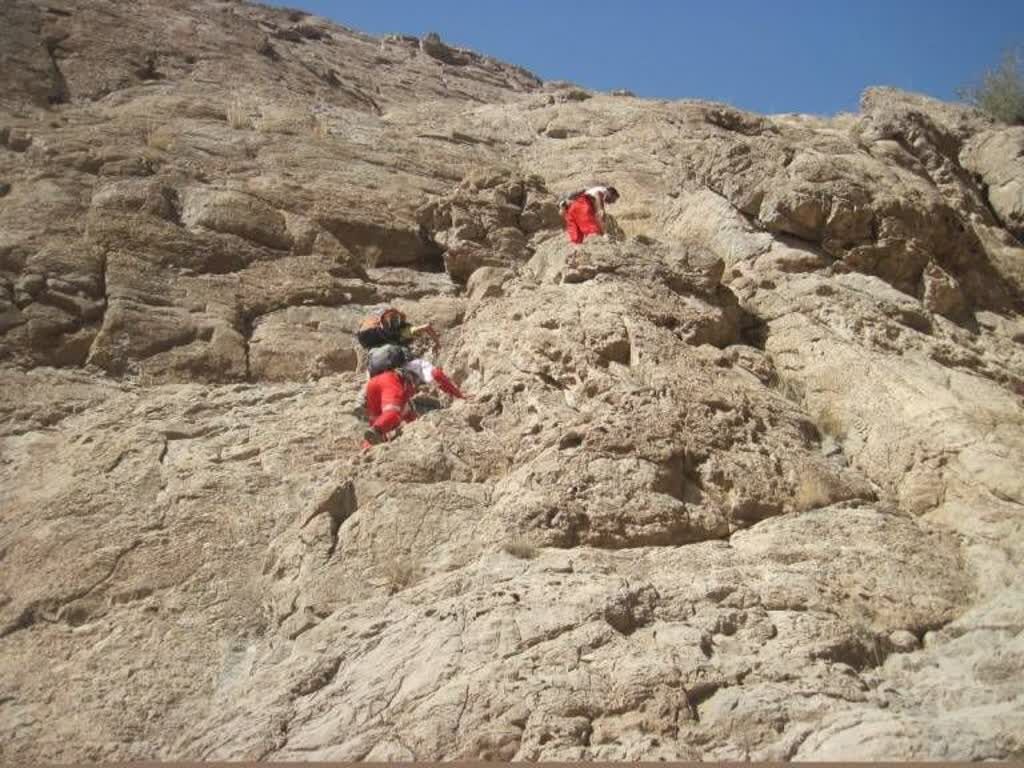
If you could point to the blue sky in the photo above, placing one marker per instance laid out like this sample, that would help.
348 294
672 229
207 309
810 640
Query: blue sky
769 56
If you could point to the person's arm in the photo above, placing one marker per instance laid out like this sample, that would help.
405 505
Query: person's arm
446 385
426 328
410 332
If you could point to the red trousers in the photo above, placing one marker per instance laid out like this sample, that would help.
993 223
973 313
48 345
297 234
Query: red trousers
581 219
387 401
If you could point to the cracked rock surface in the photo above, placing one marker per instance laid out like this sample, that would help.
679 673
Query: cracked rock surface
742 479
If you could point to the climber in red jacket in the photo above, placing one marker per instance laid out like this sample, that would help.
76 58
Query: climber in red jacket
389 395
583 211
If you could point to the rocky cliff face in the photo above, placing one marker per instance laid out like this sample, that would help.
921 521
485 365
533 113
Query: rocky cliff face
743 479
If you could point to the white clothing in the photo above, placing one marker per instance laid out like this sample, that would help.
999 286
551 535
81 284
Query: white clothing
422 369
597 194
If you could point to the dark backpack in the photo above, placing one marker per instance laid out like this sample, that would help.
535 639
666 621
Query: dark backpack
566 200
386 358
382 328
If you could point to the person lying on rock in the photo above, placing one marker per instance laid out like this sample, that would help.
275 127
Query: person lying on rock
583 211
389 396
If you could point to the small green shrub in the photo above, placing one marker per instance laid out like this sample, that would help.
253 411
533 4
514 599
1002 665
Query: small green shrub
1001 90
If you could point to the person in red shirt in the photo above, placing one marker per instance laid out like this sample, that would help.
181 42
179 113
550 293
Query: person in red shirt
389 395
584 214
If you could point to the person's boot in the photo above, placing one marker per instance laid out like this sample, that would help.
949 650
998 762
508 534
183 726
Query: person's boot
372 437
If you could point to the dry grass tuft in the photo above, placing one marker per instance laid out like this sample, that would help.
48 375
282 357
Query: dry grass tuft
521 547
401 573
790 389
321 129
284 119
829 422
237 115
157 135
812 491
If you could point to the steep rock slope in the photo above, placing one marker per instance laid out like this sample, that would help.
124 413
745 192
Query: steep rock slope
741 480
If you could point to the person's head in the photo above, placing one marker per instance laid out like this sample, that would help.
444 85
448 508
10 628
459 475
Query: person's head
611 195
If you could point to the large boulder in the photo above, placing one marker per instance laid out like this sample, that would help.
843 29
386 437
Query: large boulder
995 156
